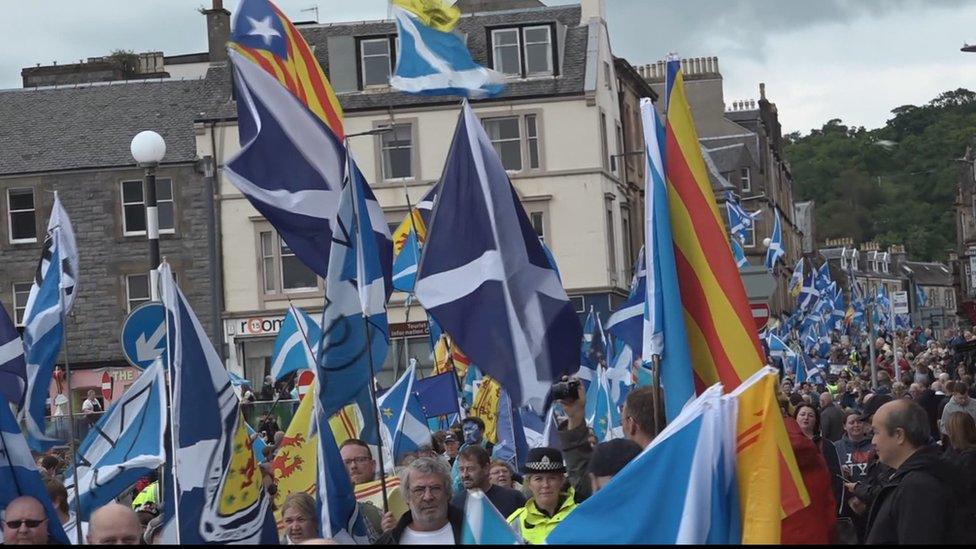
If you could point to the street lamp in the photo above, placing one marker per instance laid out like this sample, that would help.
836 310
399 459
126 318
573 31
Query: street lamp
148 150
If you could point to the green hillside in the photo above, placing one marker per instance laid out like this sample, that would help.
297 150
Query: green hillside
895 184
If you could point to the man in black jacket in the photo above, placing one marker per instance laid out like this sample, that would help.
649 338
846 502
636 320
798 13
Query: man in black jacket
916 504
426 482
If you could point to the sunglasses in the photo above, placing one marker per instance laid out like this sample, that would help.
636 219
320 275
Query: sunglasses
30 523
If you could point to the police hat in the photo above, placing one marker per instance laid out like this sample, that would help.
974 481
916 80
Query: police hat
544 460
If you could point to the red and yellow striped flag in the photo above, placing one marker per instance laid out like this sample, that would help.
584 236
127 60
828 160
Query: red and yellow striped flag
721 332
263 40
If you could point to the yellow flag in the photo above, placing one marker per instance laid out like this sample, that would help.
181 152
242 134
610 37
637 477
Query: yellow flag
485 406
293 466
242 484
760 464
433 13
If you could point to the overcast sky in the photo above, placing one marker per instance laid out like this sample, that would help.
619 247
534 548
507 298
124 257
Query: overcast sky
820 59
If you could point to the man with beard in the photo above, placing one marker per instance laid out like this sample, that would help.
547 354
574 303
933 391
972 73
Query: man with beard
474 468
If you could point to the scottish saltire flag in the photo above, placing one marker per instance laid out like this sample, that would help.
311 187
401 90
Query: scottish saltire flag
838 308
620 371
50 300
510 445
738 253
13 367
472 378
290 166
295 346
776 249
627 322
681 463
485 278
823 277
19 475
125 444
435 61
403 423
339 517
220 494
920 298
808 292
740 221
550 258
593 350
540 431
602 413
796 279
665 332
263 35
484 525
713 297
257 443
405 264
357 287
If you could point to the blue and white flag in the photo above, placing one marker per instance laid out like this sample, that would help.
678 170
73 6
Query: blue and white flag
776 249
681 463
808 292
620 373
295 346
511 446
823 277
357 287
540 431
50 300
602 413
13 367
627 322
19 475
920 298
740 221
484 525
290 166
431 62
485 278
405 264
665 334
125 444
403 423
339 516
593 349
796 279
219 491
738 253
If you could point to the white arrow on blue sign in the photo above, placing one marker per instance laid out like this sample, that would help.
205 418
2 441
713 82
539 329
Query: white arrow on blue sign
144 335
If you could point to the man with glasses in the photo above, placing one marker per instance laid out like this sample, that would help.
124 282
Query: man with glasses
431 519
24 522
359 462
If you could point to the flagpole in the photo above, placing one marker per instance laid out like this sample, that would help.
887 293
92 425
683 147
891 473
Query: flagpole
73 445
874 365
656 395
413 225
170 390
369 342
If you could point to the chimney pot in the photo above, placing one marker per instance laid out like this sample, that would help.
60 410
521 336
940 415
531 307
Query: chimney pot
762 91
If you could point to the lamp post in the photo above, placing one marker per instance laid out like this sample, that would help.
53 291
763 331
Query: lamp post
148 150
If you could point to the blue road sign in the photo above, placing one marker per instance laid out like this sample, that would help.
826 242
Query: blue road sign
144 335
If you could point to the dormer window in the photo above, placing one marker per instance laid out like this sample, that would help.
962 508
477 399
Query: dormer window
523 52
843 263
376 55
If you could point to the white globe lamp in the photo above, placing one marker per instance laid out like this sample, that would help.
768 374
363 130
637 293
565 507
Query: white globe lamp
148 148
767 241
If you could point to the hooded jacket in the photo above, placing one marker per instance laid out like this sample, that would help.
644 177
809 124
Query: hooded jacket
915 505
854 457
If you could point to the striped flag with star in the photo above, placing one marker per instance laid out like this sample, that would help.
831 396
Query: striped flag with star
263 34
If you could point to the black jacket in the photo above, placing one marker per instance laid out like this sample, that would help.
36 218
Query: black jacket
455 517
916 504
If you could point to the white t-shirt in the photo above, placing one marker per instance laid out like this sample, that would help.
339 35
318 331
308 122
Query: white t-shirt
444 536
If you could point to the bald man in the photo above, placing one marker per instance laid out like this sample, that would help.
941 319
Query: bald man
114 524
25 522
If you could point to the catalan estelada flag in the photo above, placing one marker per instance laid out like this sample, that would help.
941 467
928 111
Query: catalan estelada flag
721 332
263 34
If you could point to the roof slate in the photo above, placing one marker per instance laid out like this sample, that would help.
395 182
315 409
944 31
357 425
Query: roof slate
929 274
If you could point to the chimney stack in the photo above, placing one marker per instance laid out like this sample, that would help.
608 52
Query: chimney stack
218 30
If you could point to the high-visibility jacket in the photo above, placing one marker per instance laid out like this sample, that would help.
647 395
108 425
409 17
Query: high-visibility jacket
535 525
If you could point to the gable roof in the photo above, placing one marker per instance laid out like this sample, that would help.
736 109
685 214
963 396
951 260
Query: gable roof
928 274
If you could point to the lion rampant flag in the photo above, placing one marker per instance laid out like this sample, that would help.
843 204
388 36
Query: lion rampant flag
293 466
485 406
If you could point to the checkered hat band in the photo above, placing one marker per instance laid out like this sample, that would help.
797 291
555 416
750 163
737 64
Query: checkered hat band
545 465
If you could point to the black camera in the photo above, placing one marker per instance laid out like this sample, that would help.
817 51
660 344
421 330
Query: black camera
566 390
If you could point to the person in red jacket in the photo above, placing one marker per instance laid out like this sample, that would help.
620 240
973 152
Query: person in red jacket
816 523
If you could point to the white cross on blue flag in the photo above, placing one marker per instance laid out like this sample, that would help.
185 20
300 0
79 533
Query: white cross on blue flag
485 278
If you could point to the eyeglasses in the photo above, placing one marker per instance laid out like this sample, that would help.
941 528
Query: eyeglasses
30 523
357 460
418 491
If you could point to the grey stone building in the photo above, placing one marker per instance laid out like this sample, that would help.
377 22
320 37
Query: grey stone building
75 140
